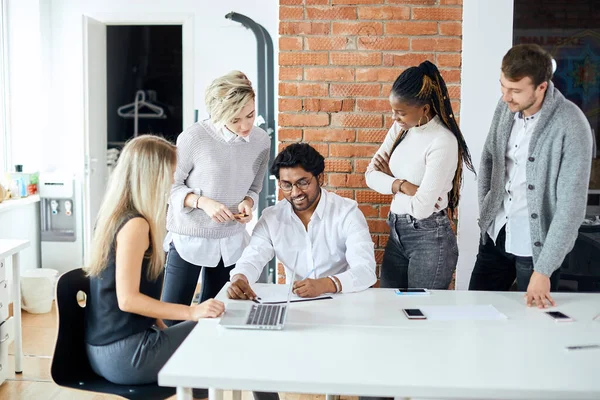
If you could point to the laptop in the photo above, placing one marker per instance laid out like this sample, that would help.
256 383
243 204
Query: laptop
258 316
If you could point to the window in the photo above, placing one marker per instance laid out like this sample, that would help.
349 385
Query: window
4 136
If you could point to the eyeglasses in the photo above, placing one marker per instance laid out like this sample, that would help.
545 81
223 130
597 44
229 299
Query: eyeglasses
302 184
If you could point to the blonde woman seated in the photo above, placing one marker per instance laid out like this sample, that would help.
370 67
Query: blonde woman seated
126 340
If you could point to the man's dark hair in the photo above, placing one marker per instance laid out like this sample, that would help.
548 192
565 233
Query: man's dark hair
527 60
299 155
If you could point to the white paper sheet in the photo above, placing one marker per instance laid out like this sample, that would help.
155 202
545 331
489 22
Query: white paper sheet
274 294
485 312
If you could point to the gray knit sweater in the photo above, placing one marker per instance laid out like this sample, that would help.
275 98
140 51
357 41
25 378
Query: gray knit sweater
223 171
558 172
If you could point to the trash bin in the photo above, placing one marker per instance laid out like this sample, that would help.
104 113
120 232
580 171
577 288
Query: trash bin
37 289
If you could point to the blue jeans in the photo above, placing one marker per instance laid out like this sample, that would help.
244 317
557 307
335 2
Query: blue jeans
419 253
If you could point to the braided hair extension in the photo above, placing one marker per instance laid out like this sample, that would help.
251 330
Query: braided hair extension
422 85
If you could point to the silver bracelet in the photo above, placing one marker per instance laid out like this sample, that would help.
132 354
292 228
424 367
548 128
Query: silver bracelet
337 286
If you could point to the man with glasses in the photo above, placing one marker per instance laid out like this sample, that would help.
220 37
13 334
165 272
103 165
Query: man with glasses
328 233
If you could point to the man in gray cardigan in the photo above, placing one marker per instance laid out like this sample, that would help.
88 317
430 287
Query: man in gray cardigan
533 180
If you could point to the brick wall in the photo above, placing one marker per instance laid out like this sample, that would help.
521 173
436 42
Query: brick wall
338 60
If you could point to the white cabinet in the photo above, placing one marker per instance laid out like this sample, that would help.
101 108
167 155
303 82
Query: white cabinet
6 324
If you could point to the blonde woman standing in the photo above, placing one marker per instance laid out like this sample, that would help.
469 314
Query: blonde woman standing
126 340
221 163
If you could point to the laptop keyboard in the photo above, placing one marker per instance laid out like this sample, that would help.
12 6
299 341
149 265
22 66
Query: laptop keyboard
263 314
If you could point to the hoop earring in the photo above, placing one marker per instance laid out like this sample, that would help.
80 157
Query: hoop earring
419 123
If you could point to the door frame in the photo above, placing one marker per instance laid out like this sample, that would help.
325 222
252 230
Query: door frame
186 21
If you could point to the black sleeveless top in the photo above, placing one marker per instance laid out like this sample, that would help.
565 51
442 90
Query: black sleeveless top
105 322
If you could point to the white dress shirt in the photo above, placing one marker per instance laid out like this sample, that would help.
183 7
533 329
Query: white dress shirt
426 157
336 242
514 213
208 252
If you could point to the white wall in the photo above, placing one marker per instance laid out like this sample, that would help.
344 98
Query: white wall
28 104
220 46
487 36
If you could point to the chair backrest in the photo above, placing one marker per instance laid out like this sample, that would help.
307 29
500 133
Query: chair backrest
70 362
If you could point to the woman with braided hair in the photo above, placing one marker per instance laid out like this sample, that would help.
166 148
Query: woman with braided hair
420 163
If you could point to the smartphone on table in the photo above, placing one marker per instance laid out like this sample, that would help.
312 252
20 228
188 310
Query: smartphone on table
413 313
558 316
411 291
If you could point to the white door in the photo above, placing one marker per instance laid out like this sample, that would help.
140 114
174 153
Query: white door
94 53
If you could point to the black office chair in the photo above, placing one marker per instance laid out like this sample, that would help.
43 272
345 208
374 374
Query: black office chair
70 365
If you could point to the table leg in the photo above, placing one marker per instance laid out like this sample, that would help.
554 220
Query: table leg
236 394
184 393
215 394
17 313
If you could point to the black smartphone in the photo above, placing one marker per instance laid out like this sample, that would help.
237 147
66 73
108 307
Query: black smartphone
411 291
559 317
413 313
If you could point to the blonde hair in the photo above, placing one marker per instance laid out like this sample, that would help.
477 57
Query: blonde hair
139 184
226 96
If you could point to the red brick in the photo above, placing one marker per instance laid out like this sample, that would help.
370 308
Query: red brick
384 211
371 105
369 196
290 104
349 194
304 28
371 136
294 13
406 59
348 58
285 134
303 119
374 238
451 75
383 239
352 150
387 119
316 2
329 135
437 13
353 120
368 210
456 107
422 2
329 74
360 165
451 28
337 165
354 90
386 89
311 104
290 43
334 2
383 13
290 74
376 74
377 226
454 91
294 58
312 89
357 28
330 13
435 44
347 180
326 43
379 253
449 60
411 28
451 2
382 43
290 2
329 105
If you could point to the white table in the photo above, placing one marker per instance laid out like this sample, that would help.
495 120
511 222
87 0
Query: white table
8 248
361 344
